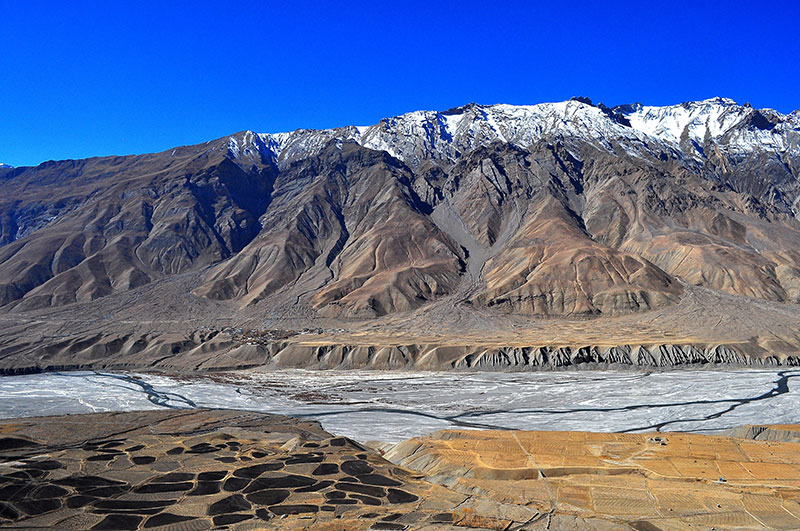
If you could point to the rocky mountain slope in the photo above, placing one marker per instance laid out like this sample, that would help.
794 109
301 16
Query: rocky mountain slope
565 209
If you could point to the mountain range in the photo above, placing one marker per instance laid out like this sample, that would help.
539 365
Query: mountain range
565 210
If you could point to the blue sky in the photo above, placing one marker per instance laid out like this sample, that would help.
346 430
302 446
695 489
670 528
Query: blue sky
81 79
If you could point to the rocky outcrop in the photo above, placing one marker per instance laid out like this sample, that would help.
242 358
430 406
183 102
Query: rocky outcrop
772 432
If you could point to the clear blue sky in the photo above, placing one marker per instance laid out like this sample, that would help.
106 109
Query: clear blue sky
82 78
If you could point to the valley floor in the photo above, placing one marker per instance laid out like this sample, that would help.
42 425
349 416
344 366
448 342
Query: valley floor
392 406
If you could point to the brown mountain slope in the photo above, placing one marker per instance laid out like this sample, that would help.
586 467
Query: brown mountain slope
346 231
560 228
522 207
79 230
706 234
484 236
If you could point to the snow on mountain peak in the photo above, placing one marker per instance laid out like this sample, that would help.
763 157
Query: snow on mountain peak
691 119
443 137
720 121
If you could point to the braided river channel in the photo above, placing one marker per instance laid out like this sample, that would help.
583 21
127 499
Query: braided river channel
392 406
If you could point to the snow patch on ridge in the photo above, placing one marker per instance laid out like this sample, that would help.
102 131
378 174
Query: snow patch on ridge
233 147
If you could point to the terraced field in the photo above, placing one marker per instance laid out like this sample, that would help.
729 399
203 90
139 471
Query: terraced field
651 481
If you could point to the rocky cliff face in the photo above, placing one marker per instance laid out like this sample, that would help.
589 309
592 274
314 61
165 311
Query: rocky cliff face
224 350
564 209
436 357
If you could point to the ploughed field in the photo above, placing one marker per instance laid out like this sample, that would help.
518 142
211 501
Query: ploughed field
393 406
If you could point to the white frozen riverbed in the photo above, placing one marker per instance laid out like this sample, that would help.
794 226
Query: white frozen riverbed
392 406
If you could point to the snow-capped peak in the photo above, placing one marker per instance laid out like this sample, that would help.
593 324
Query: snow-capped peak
698 122
3 165
249 147
445 136
638 130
